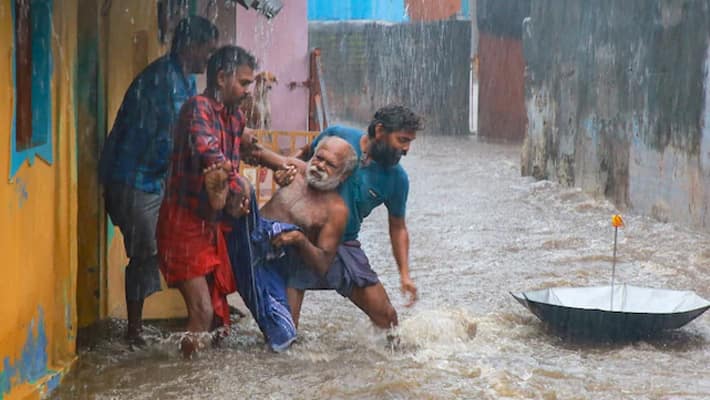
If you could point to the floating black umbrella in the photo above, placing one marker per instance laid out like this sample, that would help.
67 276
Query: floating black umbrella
616 311
637 311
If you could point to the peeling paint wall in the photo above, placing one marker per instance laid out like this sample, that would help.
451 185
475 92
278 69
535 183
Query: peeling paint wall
38 239
617 102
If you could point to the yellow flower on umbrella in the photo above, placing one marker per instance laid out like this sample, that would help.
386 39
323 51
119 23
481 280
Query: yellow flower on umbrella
617 221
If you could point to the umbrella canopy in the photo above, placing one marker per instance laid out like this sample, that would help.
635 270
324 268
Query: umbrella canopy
636 311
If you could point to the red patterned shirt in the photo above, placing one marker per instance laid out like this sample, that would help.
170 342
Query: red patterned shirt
206 134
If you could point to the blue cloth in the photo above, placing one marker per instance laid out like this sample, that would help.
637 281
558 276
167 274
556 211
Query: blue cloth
260 273
137 151
369 186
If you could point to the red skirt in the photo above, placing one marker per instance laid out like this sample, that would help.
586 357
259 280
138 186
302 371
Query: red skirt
190 247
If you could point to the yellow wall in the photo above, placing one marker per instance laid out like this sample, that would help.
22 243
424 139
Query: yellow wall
38 228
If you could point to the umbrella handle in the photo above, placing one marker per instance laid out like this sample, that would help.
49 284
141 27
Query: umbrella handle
613 270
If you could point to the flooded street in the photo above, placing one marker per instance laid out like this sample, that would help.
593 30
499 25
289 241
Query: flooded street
478 230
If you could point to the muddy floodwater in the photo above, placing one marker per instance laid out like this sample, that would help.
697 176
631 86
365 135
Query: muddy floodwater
478 230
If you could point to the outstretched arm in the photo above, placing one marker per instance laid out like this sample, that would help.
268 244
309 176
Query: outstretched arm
253 153
285 168
399 237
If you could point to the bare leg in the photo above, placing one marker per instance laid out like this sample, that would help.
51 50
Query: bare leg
139 283
200 313
373 300
295 299
134 309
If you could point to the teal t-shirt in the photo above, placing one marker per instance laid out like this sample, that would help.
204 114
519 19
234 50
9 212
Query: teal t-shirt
369 186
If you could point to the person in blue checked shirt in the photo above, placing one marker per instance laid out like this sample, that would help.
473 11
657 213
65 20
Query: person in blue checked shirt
379 179
135 157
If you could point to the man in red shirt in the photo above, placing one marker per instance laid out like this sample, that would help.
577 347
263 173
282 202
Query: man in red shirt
209 141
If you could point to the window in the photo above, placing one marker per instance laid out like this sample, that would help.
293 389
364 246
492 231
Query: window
32 73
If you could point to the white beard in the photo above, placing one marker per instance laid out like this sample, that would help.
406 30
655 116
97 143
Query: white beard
321 181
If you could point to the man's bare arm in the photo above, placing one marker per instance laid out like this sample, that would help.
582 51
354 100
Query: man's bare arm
285 168
328 240
319 256
399 237
254 153
304 153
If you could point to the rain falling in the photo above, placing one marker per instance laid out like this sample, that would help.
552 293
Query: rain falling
400 199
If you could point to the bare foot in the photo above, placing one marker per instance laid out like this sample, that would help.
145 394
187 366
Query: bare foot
188 346
216 178
135 338
393 340
218 336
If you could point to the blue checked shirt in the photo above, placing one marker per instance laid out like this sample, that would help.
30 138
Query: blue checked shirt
137 151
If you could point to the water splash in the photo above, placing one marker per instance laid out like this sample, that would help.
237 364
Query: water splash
437 328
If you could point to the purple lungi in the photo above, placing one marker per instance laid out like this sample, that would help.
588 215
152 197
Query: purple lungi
350 269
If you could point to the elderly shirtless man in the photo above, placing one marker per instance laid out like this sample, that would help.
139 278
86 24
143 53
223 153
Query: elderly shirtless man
301 225
312 203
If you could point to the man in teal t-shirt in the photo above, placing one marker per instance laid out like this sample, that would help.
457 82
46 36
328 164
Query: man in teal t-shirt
379 179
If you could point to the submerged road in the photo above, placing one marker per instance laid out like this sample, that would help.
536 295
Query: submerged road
478 230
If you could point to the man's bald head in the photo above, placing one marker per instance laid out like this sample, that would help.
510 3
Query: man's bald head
333 161
345 151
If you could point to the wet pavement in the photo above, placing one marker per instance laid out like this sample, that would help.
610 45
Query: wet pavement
478 230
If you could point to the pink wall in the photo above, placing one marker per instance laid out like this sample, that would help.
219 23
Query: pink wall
281 46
